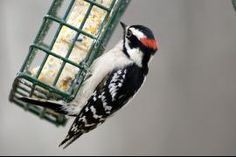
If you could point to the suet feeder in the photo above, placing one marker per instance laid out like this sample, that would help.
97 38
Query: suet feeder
234 4
72 35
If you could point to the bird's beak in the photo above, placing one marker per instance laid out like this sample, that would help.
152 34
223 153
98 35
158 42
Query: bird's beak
123 25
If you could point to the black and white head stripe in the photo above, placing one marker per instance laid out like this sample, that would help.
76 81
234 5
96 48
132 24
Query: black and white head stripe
139 36
139 44
142 31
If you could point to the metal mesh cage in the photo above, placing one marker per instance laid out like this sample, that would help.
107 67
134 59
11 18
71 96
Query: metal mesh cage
72 35
234 4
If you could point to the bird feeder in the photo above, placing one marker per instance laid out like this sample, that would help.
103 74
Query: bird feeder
234 4
72 35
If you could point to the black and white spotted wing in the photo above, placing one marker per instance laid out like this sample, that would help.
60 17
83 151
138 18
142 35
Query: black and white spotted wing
110 95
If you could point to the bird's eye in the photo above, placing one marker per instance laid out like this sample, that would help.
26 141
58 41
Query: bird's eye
129 34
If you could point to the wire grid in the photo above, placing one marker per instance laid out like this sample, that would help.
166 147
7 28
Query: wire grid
27 85
234 4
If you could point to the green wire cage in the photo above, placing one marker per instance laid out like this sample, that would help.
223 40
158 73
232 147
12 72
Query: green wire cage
72 35
234 4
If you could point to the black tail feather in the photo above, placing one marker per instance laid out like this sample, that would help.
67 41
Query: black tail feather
55 106
69 140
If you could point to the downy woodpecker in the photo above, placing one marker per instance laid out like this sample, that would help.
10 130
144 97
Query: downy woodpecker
115 78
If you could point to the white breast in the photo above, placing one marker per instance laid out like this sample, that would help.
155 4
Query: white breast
103 65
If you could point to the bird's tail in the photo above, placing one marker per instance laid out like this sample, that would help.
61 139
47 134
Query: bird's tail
70 139
59 107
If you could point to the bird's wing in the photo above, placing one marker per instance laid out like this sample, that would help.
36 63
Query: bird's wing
110 95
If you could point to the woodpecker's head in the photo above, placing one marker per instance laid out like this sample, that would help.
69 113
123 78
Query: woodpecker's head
139 43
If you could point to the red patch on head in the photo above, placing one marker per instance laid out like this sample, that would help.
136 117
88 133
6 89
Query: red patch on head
150 43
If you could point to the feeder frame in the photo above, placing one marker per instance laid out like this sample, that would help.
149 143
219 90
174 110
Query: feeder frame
28 85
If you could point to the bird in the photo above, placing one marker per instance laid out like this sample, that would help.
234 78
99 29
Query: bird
115 77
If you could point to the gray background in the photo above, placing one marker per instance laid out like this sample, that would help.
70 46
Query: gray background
186 107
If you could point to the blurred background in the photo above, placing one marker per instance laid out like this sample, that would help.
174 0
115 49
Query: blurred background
187 105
